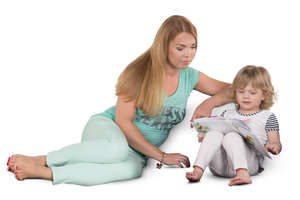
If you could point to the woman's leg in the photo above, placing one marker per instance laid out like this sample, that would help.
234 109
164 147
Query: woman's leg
102 142
208 148
27 170
103 147
18 158
95 151
94 173
84 173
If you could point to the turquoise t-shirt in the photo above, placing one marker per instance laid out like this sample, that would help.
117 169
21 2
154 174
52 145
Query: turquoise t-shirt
156 129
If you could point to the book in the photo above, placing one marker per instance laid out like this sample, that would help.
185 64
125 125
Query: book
225 125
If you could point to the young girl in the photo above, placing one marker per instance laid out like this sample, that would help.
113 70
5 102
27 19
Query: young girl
228 155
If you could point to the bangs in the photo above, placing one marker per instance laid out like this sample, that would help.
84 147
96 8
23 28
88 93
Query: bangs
253 77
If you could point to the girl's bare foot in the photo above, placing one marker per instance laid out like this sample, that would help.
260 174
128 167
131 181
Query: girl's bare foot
24 171
196 175
242 177
33 160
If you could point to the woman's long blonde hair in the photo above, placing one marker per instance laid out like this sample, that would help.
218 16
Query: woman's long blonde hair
143 80
260 78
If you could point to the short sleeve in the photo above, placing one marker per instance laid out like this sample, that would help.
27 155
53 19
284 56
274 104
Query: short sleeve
191 76
272 123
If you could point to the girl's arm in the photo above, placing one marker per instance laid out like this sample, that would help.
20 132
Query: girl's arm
125 113
274 145
218 91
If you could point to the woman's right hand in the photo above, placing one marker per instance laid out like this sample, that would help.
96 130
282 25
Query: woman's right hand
177 159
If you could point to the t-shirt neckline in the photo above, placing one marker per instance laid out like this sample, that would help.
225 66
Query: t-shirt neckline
178 86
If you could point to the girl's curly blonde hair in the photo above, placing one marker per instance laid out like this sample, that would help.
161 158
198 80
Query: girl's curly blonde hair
260 78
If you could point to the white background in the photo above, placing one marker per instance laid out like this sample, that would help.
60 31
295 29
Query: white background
60 60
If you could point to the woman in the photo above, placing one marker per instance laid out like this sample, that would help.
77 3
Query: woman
152 94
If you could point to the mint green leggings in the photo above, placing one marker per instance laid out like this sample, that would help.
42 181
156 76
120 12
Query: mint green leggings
103 156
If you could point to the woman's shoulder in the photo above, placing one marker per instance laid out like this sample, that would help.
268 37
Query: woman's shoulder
190 77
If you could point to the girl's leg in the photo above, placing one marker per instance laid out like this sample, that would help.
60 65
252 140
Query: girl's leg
244 160
208 148
102 142
220 165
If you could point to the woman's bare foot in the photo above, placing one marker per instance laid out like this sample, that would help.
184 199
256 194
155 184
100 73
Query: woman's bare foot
24 171
18 158
196 175
242 177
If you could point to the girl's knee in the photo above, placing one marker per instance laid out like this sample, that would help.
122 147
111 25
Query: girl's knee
231 138
214 135
213 138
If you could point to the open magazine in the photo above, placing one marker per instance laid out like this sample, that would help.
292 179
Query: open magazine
225 125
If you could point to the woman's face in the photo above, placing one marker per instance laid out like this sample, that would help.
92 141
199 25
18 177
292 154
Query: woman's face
182 50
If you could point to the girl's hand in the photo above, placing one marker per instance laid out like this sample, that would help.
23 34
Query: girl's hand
273 148
177 159
200 137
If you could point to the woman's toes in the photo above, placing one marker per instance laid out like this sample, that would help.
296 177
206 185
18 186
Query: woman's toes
17 173
9 168
13 157
11 160
8 161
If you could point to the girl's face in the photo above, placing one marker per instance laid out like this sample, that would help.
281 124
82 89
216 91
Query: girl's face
182 50
249 99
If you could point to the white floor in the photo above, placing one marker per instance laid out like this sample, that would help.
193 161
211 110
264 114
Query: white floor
59 63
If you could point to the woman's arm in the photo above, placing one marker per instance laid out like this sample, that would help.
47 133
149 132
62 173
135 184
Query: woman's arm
218 91
208 85
274 145
125 113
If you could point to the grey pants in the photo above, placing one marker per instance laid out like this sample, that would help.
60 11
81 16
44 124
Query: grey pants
225 153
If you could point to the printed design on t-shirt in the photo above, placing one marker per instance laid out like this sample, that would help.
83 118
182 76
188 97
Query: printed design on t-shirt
169 118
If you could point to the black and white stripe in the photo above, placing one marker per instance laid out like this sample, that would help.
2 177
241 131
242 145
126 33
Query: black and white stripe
272 123
249 114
